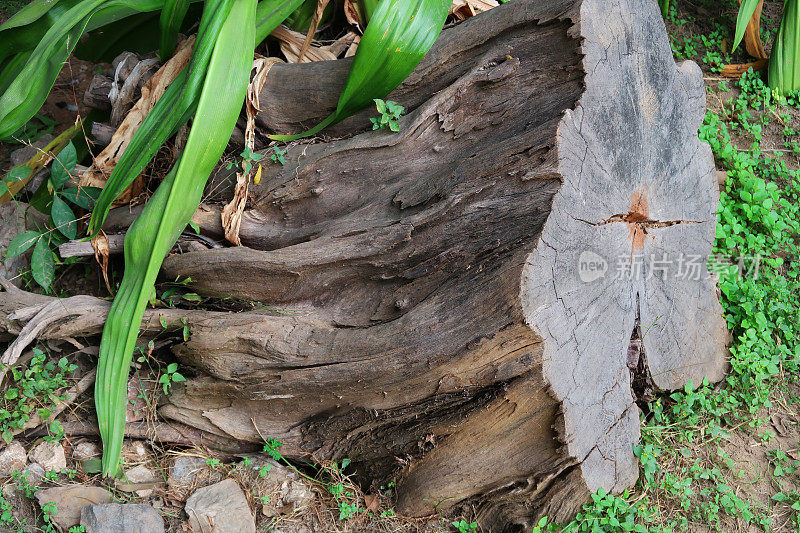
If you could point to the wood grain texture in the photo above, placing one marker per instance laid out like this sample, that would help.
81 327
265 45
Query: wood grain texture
425 301
629 149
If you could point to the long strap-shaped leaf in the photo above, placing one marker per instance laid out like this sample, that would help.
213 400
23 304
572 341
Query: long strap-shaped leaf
166 215
26 94
26 83
171 19
398 36
172 110
177 103
784 71
746 10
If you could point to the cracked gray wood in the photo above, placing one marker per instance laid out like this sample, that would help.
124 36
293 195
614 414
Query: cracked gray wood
443 305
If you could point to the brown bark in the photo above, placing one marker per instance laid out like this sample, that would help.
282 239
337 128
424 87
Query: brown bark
436 307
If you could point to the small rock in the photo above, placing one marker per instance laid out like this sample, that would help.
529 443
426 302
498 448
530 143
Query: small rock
134 452
286 489
12 459
22 508
49 455
85 451
188 473
140 476
34 473
69 500
220 508
121 518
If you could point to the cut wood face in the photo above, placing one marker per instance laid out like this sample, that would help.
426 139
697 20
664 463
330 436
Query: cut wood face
629 236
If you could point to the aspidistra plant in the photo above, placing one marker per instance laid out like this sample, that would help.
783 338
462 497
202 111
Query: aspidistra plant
35 43
784 70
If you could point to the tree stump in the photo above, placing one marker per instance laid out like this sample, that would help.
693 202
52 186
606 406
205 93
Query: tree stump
453 306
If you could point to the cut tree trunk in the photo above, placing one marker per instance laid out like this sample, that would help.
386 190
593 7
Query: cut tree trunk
467 306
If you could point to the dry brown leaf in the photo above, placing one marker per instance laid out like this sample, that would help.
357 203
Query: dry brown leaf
351 51
291 42
736 71
312 29
752 34
232 213
353 14
343 43
464 9
97 174
102 250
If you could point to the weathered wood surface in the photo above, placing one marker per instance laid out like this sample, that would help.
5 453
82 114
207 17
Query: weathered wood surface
443 304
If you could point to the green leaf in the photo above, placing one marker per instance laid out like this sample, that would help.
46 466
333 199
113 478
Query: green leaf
171 19
169 210
27 92
84 197
177 377
746 10
784 70
22 242
172 367
63 218
398 36
91 466
171 111
63 164
43 264
17 174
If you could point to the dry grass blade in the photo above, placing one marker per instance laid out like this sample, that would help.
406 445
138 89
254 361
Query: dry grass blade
232 212
321 5
291 42
102 166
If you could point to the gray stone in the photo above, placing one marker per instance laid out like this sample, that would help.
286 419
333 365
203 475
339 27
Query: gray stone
69 500
12 459
220 508
188 473
85 451
34 473
49 455
286 489
121 518
140 480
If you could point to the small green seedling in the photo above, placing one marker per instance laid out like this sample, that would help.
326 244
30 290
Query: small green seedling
278 155
170 376
462 526
390 114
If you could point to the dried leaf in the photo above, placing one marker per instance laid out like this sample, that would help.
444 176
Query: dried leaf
102 250
312 29
353 14
97 174
736 71
342 44
464 9
232 212
291 42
